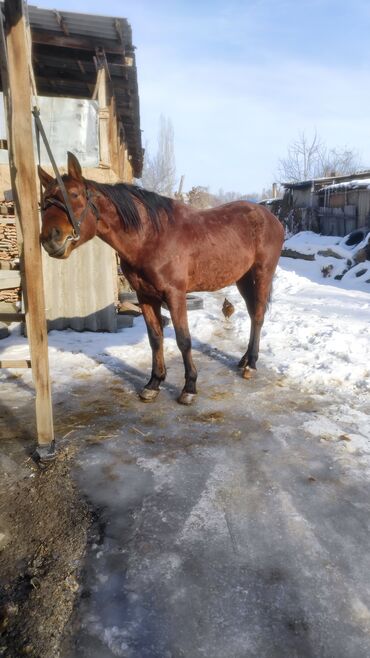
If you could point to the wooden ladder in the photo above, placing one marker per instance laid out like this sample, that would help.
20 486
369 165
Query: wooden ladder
16 73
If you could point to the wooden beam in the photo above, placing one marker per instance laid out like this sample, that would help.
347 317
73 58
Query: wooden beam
12 317
14 363
9 279
24 185
81 66
61 22
80 43
102 96
114 138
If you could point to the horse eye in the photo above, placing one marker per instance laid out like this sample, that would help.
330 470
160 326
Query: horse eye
74 195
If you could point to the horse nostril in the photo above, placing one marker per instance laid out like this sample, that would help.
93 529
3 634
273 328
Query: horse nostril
56 234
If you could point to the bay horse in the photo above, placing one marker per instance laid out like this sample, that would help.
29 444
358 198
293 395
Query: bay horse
168 249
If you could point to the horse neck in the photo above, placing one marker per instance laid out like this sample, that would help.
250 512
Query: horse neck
127 243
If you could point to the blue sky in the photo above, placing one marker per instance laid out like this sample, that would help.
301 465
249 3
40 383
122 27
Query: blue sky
241 80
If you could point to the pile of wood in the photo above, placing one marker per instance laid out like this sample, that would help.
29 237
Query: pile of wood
10 291
8 240
10 295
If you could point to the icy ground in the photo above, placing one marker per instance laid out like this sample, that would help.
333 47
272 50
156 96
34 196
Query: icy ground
238 527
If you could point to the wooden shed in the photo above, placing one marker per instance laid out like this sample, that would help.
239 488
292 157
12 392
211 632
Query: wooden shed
90 58
339 204
345 206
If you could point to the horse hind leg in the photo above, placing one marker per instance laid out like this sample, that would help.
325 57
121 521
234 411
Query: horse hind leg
255 288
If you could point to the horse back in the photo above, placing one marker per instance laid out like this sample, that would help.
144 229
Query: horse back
221 244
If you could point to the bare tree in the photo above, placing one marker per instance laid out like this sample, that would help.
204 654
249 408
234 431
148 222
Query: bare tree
336 162
301 161
311 158
159 171
227 197
200 197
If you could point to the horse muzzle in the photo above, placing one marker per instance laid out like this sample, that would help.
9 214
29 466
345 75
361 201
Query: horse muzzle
55 247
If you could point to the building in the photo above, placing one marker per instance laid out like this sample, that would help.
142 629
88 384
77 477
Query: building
86 81
335 205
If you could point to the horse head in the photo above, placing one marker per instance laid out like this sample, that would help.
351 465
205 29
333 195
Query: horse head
69 215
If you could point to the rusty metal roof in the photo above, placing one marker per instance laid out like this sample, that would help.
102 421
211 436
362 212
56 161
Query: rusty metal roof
67 49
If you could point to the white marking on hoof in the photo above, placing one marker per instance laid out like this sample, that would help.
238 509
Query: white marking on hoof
148 394
186 398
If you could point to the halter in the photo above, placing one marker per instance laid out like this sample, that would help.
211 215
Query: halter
67 208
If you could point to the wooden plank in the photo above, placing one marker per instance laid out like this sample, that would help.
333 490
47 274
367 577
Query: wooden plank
102 95
24 185
9 279
114 140
12 317
14 363
7 219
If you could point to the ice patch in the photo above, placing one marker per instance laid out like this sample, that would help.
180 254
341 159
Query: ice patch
208 515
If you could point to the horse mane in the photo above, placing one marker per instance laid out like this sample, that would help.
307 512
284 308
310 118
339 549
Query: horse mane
123 196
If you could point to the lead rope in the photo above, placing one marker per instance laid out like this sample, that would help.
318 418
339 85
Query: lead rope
40 131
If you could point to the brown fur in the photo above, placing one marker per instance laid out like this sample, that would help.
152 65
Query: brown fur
183 250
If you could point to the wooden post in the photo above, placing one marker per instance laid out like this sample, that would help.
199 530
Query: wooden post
103 118
113 136
24 184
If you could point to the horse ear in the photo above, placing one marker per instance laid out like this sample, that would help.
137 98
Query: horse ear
74 167
44 177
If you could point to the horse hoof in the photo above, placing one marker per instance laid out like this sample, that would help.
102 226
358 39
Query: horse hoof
248 372
186 398
148 394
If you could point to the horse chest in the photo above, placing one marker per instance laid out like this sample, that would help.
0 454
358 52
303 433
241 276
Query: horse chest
140 282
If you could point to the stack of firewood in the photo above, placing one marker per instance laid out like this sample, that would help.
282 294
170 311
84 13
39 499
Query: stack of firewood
8 241
9 257
10 295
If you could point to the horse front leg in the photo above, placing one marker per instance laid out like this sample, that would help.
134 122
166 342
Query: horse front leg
176 302
153 320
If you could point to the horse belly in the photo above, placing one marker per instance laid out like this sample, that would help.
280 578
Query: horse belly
217 272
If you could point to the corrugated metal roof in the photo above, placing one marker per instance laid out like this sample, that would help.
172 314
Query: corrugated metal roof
76 23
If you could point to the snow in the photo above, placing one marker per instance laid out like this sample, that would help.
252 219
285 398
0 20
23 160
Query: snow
351 185
354 277
317 330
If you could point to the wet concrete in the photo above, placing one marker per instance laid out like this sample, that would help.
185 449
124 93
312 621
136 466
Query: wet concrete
227 529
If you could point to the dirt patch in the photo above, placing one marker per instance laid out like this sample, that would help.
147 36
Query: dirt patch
42 543
211 417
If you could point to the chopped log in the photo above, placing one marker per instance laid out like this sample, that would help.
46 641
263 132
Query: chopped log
128 308
330 253
292 253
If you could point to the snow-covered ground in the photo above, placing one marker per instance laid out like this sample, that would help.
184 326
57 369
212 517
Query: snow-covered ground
316 334
317 330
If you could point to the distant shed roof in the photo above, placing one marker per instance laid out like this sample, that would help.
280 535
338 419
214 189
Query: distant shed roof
320 183
355 184
66 49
